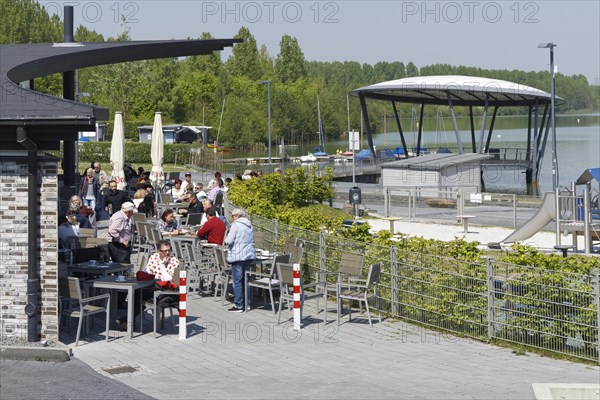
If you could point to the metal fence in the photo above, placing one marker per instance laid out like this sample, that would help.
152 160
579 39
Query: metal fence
551 310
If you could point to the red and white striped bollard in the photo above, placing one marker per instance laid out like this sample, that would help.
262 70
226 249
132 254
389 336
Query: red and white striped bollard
297 300
182 305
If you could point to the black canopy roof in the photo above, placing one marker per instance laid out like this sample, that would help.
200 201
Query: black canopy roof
50 119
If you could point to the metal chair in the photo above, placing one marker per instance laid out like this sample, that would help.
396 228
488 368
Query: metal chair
158 309
76 306
267 280
295 248
285 272
223 277
350 266
361 292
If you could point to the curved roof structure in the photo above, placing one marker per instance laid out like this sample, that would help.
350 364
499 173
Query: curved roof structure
463 90
61 118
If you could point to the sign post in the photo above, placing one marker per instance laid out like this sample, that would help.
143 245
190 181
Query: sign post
354 144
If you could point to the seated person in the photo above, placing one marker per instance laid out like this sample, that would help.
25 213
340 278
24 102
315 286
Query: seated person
138 198
69 228
84 214
163 265
214 229
177 191
206 203
195 204
167 223
200 193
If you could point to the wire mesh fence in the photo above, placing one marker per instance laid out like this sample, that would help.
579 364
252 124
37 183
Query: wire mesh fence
555 311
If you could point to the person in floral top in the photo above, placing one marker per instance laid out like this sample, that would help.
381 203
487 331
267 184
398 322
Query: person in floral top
163 265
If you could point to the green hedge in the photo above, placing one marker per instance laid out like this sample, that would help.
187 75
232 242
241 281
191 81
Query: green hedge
135 153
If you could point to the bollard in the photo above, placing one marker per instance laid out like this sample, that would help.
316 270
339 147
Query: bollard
297 300
182 305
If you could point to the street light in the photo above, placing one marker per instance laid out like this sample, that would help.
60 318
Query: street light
268 83
551 46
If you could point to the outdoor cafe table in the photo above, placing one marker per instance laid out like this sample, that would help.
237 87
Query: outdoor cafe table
131 285
99 269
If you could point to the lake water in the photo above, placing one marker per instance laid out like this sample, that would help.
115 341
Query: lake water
577 144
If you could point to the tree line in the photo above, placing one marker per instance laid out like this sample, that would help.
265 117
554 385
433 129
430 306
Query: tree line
207 90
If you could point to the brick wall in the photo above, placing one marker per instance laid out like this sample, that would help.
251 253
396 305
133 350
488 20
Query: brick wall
14 214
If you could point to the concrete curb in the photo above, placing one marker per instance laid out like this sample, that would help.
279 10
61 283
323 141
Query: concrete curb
55 354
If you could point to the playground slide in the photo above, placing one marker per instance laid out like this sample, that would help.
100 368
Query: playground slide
545 214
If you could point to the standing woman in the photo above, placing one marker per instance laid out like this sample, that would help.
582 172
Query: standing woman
88 189
240 242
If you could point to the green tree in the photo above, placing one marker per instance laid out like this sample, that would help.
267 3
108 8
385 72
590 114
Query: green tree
26 21
289 64
411 70
244 59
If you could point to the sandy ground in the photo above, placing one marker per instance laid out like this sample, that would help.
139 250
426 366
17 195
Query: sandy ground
542 240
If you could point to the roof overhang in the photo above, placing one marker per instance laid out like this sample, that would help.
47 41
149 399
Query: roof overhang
462 90
45 115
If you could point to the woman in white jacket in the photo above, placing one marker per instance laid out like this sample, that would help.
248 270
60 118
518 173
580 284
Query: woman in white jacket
240 242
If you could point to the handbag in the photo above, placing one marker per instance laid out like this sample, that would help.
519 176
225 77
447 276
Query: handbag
143 276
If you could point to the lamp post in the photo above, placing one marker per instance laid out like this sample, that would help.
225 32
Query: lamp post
268 83
551 46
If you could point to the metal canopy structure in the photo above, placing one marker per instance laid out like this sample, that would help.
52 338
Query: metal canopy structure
467 91
48 119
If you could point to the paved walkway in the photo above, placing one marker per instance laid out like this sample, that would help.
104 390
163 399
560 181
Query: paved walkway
247 355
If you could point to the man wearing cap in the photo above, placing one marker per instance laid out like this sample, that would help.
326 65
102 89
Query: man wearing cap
188 179
119 234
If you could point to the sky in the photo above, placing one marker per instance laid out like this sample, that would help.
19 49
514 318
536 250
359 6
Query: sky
485 34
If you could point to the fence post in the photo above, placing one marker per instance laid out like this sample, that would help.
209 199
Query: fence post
276 231
490 298
409 202
514 196
597 290
394 273
322 265
386 202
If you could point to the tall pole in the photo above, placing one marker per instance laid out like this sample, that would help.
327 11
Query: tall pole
268 83
553 119
269 117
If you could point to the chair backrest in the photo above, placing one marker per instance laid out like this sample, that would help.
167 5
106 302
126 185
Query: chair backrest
351 264
68 287
259 238
87 232
285 273
166 198
295 248
282 258
139 217
221 259
194 219
183 204
155 235
374 274
142 260
219 202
